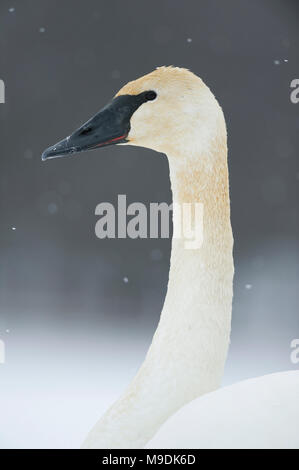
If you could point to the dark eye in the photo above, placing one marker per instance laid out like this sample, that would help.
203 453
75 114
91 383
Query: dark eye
150 95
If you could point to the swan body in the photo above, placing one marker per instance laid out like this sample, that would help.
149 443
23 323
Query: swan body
259 413
172 111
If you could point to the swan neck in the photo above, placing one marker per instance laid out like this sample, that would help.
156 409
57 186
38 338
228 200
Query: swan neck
188 351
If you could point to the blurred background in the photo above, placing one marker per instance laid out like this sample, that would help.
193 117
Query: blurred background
77 313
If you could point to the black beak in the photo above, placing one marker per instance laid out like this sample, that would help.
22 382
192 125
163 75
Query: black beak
109 126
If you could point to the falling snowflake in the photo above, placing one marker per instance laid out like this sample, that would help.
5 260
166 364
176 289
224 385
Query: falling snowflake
189 40
126 280
42 30
156 254
276 62
11 10
248 286
28 154
13 228
52 208
115 74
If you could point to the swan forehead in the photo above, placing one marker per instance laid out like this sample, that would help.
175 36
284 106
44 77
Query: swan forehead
163 79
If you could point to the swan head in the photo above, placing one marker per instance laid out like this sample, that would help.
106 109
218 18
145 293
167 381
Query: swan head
169 110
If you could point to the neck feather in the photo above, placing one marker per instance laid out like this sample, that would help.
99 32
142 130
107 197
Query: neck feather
188 351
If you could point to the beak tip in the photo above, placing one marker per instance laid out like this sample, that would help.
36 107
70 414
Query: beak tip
47 154
51 152
44 156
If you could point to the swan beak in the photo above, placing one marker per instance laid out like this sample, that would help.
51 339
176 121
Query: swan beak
109 126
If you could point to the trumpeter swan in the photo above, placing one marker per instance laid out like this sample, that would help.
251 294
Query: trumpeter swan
172 111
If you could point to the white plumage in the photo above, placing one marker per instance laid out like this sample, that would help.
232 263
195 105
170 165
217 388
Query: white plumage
258 413
187 355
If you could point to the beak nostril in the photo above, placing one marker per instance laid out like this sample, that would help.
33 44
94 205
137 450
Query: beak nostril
86 131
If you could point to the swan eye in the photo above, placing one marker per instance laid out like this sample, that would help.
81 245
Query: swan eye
150 95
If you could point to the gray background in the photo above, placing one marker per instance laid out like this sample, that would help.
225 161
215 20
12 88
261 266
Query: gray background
75 332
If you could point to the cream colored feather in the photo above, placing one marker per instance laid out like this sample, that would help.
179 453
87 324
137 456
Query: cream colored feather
188 351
